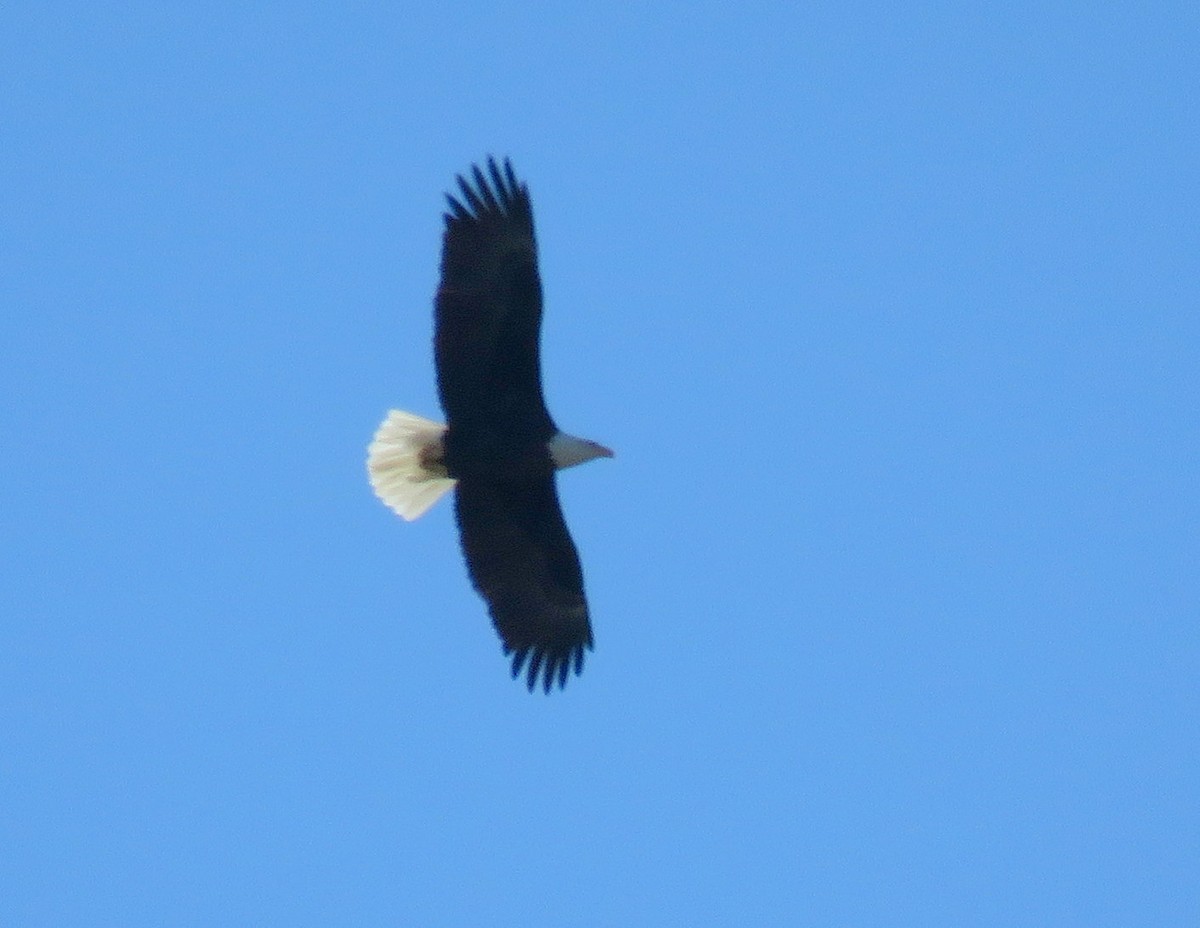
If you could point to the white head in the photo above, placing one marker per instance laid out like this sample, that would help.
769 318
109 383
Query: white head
567 450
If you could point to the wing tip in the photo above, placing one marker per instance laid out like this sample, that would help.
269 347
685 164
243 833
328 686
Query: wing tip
498 192
547 667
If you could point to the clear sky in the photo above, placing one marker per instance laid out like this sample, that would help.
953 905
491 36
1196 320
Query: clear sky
890 312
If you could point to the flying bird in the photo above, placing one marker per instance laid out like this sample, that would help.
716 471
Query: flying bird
499 449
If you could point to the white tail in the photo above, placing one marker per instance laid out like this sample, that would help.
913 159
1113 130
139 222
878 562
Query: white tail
404 464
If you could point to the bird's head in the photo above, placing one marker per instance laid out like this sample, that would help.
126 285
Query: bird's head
567 450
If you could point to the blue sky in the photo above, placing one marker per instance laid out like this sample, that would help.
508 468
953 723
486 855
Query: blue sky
891 316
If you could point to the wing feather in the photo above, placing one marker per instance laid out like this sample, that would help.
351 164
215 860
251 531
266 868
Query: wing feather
488 309
523 562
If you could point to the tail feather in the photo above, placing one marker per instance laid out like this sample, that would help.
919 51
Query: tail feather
402 463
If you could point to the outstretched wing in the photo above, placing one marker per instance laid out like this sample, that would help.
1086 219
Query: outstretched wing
488 310
522 561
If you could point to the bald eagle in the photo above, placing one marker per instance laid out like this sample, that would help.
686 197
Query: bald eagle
499 448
